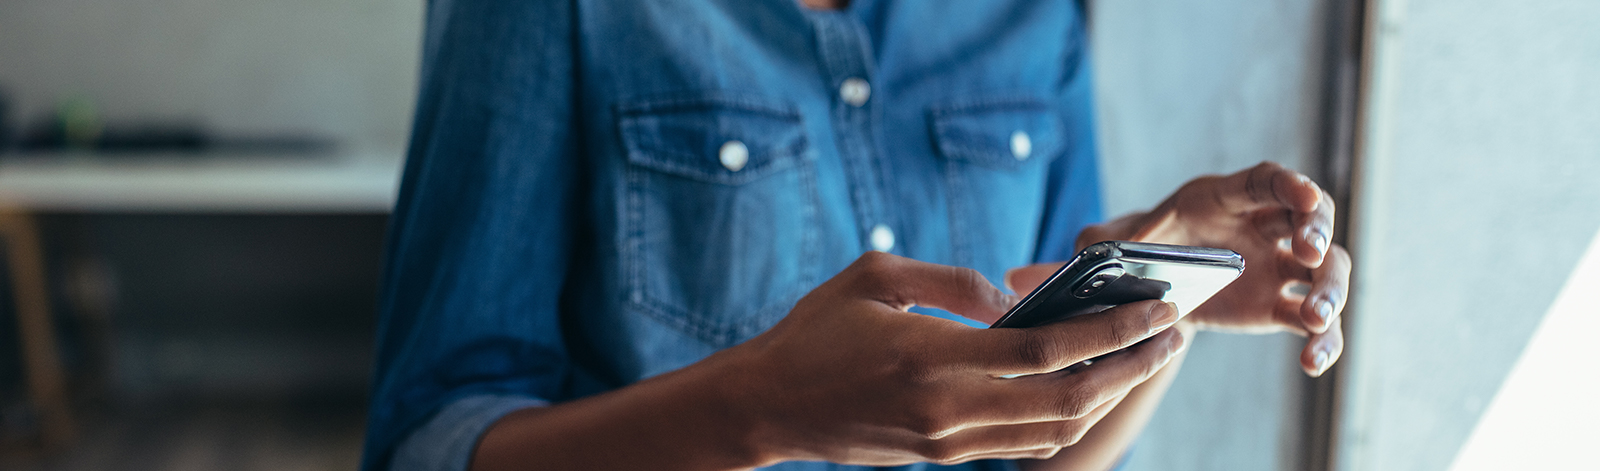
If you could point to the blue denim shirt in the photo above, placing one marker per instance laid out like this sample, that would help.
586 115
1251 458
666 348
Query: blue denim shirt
599 191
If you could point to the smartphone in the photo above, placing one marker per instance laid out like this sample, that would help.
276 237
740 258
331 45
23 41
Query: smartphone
1117 272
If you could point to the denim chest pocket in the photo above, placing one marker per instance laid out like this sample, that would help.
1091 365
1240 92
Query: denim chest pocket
720 212
996 153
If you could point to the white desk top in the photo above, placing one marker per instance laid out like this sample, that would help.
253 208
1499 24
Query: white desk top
342 183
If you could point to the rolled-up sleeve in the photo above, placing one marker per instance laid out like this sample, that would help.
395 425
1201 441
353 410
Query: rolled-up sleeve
445 442
481 235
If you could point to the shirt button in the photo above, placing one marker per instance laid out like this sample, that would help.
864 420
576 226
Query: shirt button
1021 145
734 155
855 91
882 238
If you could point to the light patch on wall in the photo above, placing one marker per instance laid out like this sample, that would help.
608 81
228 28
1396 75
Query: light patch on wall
1545 413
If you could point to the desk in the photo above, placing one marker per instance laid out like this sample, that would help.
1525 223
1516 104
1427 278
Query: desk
87 183
363 182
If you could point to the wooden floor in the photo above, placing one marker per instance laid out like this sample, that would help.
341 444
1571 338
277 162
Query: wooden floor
192 436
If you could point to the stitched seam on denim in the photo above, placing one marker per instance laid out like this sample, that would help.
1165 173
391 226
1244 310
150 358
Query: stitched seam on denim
638 296
869 129
735 179
705 100
635 232
717 331
773 160
953 148
857 180
771 313
960 151
997 102
681 320
956 194
723 332
832 62
810 241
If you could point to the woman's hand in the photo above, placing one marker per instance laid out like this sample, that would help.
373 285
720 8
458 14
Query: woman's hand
851 377
1105 445
1252 212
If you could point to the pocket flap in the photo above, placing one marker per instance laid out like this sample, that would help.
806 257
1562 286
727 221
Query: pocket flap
1004 134
692 136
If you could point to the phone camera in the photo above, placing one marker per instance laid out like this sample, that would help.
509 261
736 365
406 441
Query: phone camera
1097 282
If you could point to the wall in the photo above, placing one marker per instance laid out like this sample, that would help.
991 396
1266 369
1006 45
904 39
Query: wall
344 69
1190 88
1479 192
213 304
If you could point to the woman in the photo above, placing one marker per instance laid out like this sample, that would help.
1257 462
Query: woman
631 236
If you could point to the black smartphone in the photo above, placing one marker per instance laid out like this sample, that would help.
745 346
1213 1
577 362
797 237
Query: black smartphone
1117 272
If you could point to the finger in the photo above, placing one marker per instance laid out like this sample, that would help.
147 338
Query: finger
902 282
1330 284
1289 270
1026 279
1076 394
1323 350
1034 454
1314 232
1051 347
1287 316
1274 225
995 441
1288 310
1264 186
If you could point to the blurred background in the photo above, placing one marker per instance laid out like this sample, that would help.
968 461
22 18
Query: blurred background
209 183
193 197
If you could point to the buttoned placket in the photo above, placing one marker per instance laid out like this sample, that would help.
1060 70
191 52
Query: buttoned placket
844 46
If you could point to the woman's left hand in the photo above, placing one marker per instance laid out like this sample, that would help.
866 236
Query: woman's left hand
1251 212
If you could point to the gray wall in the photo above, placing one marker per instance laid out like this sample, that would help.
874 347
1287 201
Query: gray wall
344 69
219 304
1481 188
1186 89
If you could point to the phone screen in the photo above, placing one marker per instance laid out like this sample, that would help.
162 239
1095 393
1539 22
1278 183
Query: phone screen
1191 285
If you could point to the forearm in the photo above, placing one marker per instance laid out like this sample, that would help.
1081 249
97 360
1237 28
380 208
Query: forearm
680 420
1105 444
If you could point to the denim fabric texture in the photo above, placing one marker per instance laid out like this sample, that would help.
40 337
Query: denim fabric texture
600 191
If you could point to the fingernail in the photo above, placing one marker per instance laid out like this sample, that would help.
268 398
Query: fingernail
1165 318
1321 361
1325 310
1320 242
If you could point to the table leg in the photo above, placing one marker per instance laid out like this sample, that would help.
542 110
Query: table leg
41 356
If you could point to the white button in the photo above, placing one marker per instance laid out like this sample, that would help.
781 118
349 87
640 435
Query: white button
734 155
882 238
1021 146
855 91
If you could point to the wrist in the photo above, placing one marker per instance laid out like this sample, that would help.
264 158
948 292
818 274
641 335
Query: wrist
724 402
694 418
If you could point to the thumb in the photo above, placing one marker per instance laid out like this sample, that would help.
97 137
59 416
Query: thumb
902 282
1023 280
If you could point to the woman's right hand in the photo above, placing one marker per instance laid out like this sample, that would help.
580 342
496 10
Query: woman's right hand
851 377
